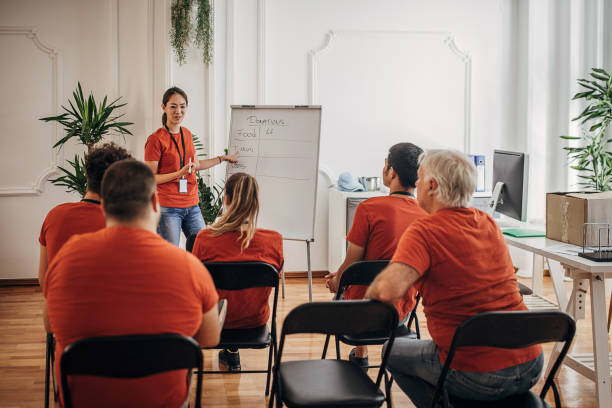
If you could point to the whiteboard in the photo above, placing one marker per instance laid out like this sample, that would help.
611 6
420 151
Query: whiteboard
279 146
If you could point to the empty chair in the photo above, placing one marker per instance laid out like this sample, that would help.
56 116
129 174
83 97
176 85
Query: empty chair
509 330
132 356
332 383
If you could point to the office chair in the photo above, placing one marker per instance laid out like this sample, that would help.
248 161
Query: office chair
510 330
244 275
131 356
332 383
363 273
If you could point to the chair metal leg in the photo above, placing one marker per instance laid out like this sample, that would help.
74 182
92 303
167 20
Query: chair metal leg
47 368
337 348
270 353
325 347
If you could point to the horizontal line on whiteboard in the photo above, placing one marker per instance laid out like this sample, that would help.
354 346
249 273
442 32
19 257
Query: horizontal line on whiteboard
281 177
254 139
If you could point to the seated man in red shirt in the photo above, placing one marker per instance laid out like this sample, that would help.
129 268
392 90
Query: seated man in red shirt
125 279
460 258
68 219
379 223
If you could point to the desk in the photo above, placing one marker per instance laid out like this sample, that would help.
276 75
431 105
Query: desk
586 274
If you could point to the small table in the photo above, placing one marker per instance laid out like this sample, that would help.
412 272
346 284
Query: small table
586 274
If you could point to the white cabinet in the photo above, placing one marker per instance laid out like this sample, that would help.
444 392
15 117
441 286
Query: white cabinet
342 207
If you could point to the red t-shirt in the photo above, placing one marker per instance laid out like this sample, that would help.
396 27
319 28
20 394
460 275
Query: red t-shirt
465 270
248 307
378 225
160 148
68 219
120 281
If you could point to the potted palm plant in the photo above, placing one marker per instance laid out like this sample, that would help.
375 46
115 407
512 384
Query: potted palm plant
211 199
592 159
89 122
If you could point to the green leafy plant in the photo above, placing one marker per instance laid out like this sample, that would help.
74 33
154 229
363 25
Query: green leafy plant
181 29
89 122
211 199
592 159
75 179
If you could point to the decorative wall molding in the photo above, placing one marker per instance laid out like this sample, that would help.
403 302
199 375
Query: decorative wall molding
447 38
37 186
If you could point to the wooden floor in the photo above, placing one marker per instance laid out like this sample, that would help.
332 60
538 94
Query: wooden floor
22 351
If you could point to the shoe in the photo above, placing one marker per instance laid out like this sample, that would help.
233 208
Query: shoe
360 361
230 360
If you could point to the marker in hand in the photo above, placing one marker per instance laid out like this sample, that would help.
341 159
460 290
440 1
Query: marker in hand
190 165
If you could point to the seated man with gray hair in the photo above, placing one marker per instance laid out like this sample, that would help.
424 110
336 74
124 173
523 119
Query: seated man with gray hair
460 258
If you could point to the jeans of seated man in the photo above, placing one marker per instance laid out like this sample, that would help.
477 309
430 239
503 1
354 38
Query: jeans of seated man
415 366
173 220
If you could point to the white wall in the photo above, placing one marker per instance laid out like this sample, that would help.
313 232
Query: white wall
479 73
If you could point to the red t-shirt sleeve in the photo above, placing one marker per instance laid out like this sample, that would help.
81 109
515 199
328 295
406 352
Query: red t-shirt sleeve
42 238
413 249
360 230
279 252
153 149
204 285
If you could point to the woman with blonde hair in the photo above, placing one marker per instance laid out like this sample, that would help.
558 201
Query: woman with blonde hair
234 237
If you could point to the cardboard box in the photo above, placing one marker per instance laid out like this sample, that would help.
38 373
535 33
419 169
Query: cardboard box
566 214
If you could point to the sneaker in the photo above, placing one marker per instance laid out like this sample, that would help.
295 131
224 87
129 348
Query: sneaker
230 360
360 361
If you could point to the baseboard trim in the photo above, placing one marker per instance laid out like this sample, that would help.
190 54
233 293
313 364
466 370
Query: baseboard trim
19 282
304 274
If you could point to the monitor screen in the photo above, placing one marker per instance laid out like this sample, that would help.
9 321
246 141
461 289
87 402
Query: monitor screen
511 168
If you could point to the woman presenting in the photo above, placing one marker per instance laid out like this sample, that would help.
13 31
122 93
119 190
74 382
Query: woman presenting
170 154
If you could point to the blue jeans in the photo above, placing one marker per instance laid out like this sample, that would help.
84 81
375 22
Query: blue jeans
173 220
415 366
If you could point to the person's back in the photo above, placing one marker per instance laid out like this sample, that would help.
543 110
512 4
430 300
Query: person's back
378 225
125 279
468 271
68 219
234 237
248 307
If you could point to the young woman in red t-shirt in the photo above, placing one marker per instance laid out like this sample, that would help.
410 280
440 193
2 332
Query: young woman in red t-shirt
171 155
234 238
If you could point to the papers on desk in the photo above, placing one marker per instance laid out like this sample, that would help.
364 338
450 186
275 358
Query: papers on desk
566 249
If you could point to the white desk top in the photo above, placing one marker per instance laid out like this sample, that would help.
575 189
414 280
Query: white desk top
539 245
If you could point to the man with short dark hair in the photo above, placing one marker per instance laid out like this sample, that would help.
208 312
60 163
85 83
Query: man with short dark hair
68 219
378 225
126 279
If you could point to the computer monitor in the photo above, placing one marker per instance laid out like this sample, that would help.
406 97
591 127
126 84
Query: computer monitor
510 175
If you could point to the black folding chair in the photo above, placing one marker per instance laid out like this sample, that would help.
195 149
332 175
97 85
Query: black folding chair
131 356
49 372
244 275
332 383
510 330
363 273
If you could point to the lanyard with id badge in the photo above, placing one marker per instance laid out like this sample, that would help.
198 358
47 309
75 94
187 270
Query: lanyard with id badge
182 180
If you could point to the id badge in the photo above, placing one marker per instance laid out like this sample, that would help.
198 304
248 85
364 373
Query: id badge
182 185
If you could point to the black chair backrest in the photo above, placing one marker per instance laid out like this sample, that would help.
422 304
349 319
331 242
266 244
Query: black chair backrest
361 273
512 330
350 317
242 275
190 241
516 329
130 356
